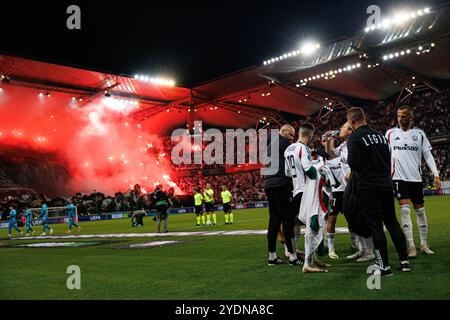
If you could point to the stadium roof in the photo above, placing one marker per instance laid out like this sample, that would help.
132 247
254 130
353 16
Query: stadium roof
373 65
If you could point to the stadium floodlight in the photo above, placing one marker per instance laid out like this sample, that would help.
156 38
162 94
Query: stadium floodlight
155 80
309 47
398 19
331 74
401 18
426 48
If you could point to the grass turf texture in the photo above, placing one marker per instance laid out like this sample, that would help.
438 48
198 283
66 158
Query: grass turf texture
215 267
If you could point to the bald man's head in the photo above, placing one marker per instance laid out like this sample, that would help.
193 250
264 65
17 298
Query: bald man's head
287 131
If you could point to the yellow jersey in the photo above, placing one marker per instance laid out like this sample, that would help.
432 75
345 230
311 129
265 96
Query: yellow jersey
226 196
198 199
208 195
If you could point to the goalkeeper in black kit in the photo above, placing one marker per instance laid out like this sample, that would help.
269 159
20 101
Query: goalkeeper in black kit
160 202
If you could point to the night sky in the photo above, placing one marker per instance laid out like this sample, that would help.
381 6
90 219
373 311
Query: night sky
190 41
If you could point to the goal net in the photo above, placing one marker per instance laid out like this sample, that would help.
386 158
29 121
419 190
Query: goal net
55 214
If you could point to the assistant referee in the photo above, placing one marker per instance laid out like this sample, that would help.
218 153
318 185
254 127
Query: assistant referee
370 160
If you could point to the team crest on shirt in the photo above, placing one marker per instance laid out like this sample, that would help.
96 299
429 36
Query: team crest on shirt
415 138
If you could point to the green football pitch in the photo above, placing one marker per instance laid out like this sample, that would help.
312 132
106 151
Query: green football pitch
211 267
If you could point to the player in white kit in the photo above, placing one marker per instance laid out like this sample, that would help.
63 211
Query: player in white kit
299 166
407 146
298 158
364 245
336 167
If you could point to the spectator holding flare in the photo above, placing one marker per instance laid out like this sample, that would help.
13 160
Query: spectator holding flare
13 221
198 203
226 201
208 195
44 217
28 220
71 210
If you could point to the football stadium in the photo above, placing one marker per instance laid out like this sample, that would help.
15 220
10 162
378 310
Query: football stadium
249 186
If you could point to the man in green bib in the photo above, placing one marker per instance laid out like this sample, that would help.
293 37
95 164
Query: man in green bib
198 201
208 195
226 201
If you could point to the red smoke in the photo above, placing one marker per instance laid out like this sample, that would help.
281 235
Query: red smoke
102 146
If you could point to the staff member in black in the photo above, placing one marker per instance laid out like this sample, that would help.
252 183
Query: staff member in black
370 160
278 189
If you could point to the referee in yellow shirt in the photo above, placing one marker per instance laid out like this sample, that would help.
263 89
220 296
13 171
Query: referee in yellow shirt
198 201
208 195
226 200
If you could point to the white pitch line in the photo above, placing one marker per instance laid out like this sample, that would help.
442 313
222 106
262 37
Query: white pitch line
169 234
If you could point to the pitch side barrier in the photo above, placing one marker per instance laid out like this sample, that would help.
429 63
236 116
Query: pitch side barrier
128 214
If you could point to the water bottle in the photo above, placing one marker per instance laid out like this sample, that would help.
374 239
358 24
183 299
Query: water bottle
330 134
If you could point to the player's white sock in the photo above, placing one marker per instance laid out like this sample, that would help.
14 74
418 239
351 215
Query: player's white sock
293 256
368 244
330 240
272 255
361 244
324 230
286 251
405 212
294 244
422 224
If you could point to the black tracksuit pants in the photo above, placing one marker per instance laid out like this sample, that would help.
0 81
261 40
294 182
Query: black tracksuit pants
376 208
281 212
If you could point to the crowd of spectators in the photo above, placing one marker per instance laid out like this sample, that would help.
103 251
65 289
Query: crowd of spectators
244 186
431 114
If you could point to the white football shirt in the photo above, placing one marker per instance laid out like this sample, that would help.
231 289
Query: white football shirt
407 148
319 162
335 165
342 151
298 161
